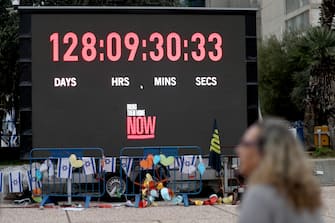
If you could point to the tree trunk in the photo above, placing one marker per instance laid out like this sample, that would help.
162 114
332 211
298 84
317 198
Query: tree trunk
327 13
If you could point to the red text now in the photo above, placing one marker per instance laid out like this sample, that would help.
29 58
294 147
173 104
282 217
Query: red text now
141 127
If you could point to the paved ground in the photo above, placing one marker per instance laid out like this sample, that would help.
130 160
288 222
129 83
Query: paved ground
161 214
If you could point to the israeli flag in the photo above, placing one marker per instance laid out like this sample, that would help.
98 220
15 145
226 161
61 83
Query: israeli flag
48 167
15 182
110 164
176 163
126 164
64 168
33 183
188 164
1 182
89 165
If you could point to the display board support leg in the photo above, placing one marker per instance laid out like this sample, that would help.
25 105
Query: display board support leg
45 200
185 198
87 201
69 191
137 200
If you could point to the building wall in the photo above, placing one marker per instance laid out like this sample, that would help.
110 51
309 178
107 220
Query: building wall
237 4
279 16
232 3
272 17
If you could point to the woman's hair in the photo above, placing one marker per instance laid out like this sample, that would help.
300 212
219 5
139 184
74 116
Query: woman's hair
285 167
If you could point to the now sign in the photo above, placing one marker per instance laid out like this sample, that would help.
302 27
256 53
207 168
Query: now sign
141 127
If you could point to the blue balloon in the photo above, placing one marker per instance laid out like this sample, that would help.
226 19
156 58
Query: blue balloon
177 200
201 168
165 194
38 175
157 158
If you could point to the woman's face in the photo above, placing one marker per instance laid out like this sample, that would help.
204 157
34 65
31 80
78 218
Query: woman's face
248 152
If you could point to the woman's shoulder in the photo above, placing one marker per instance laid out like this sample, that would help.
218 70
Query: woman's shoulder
260 194
261 190
270 206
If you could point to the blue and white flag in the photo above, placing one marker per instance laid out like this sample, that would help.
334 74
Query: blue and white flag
176 163
89 165
110 164
188 164
48 167
64 168
33 183
126 164
15 182
1 182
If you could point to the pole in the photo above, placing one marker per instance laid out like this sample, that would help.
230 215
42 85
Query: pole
69 192
225 164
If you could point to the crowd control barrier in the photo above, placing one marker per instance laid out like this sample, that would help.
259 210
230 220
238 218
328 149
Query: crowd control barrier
66 172
175 168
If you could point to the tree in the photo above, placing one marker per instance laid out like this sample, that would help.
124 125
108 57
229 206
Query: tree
8 55
276 80
327 13
313 55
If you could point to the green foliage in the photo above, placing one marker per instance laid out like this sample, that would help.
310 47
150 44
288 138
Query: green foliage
299 70
323 152
8 51
276 80
327 12
315 52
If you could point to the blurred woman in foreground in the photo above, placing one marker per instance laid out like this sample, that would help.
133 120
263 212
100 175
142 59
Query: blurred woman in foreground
281 185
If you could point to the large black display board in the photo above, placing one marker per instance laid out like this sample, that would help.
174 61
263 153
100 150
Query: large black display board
113 78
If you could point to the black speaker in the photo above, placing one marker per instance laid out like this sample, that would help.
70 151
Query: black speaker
25 84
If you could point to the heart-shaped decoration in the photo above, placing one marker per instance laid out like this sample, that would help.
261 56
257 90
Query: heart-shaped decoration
37 192
75 162
37 199
166 161
147 163
157 158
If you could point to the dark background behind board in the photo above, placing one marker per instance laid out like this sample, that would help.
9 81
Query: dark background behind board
93 114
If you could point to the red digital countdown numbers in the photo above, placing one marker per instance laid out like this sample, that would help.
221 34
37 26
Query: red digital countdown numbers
156 48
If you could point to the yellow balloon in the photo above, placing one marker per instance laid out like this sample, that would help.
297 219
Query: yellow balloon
160 186
228 200
198 203
75 162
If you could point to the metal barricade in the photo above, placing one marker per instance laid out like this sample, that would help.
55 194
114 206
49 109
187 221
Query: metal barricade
180 175
66 172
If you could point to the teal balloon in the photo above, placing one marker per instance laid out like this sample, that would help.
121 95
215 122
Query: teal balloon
154 193
165 194
157 158
201 168
151 199
177 200
38 175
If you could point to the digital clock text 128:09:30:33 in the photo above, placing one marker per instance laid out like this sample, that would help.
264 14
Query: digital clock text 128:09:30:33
156 48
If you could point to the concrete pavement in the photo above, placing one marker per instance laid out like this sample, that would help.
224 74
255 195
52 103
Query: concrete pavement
164 213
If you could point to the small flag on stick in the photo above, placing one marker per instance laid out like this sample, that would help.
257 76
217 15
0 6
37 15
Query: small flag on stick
215 149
